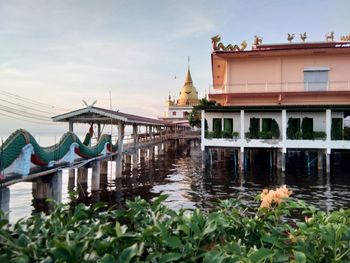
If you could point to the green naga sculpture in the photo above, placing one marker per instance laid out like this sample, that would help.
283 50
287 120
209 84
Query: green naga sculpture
217 46
22 141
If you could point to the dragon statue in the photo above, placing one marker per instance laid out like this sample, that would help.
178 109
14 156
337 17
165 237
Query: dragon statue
43 156
217 46
345 38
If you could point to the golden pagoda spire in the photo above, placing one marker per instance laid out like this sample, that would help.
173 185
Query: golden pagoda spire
188 80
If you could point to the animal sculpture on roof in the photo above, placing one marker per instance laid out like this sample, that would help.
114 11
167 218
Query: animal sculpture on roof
217 46
290 37
330 36
257 40
303 36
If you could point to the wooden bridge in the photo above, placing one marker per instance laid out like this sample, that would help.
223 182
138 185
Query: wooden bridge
146 134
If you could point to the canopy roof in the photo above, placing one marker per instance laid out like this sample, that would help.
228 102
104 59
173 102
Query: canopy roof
104 116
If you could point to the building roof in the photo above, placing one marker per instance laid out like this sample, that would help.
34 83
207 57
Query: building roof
288 49
104 116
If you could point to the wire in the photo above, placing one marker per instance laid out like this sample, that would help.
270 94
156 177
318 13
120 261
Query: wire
26 107
36 122
24 113
30 101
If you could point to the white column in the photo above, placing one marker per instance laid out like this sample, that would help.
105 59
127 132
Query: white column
328 125
242 125
202 130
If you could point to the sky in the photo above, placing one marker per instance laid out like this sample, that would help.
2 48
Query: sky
59 52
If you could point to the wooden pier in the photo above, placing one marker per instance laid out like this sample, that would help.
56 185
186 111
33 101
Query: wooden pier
147 134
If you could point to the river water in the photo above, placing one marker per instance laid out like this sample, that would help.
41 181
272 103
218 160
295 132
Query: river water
179 174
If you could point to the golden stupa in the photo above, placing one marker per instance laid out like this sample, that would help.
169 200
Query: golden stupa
188 94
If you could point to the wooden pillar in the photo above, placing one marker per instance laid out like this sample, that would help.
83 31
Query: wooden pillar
98 131
95 177
71 180
5 201
103 174
71 127
119 158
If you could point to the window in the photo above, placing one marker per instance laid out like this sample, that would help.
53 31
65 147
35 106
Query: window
228 125
185 114
174 113
217 127
266 124
337 129
316 78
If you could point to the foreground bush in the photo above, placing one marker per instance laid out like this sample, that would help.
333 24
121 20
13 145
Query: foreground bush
153 233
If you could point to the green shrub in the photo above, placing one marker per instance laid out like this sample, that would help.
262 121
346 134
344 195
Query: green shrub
235 134
298 135
151 232
346 133
226 134
319 135
209 135
265 135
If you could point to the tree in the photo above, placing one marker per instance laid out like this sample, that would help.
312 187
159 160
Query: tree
194 117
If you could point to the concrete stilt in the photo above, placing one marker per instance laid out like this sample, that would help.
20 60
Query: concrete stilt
71 180
328 162
320 159
82 179
135 160
95 177
283 155
241 159
5 202
103 174
48 187
204 158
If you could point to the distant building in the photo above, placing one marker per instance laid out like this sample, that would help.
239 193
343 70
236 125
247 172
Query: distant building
291 96
178 110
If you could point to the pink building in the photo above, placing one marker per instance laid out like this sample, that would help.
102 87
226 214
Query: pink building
287 97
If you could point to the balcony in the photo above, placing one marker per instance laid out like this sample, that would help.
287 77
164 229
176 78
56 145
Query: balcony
280 87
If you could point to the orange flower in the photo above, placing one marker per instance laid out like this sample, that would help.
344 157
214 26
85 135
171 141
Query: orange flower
274 196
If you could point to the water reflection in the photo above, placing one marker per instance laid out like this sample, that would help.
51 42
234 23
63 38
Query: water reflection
177 172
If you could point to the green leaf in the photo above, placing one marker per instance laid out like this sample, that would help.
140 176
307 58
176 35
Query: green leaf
107 258
62 251
127 254
22 240
169 257
158 201
261 254
299 257
211 227
213 257
173 242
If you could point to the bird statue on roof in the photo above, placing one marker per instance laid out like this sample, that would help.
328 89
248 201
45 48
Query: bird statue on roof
290 37
303 37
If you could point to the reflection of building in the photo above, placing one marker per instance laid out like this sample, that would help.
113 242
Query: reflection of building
179 110
291 96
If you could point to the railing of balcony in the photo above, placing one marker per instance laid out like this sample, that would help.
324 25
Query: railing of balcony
280 87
